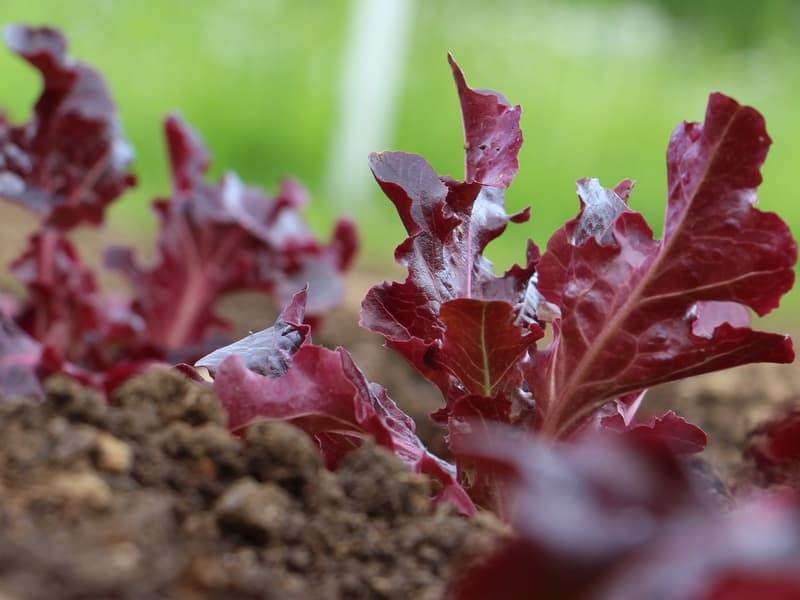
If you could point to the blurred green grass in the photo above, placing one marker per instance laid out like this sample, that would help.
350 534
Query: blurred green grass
602 85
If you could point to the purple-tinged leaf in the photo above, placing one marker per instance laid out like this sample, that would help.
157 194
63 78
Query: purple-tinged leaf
324 393
780 439
637 312
64 309
775 448
482 345
189 158
670 429
763 583
628 405
452 307
73 328
25 362
710 315
699 556
62 291
627 311
493 136
467 416
617 517
268 352
106 380
71 160
601 207
567 493
217 239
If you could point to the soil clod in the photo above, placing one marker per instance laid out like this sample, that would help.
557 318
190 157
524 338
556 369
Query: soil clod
152 497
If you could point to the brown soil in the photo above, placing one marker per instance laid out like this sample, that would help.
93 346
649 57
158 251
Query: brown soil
151 497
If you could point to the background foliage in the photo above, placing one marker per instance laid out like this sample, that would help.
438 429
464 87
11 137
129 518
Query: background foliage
602 84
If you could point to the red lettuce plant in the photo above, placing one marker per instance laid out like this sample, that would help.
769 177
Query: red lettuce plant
626 311
71 160
278 374
621 518
226 237
67 164
774 447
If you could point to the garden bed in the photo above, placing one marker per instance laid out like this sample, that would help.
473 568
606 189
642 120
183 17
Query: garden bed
273 467
151 497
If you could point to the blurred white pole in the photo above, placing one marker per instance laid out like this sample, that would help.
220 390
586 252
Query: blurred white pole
372 69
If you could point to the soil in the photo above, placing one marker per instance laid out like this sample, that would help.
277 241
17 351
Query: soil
151 497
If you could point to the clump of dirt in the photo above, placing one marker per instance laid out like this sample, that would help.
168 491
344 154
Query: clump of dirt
151 497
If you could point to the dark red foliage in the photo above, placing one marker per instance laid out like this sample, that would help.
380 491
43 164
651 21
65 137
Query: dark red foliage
226 237
69 162
619 518
275 374
65 310
493 136
630 314
268 352
627 311
746 586
602 506
71 159
453 319
482 345
670 429
775 448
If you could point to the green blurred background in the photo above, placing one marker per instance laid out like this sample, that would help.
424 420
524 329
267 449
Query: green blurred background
602 84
